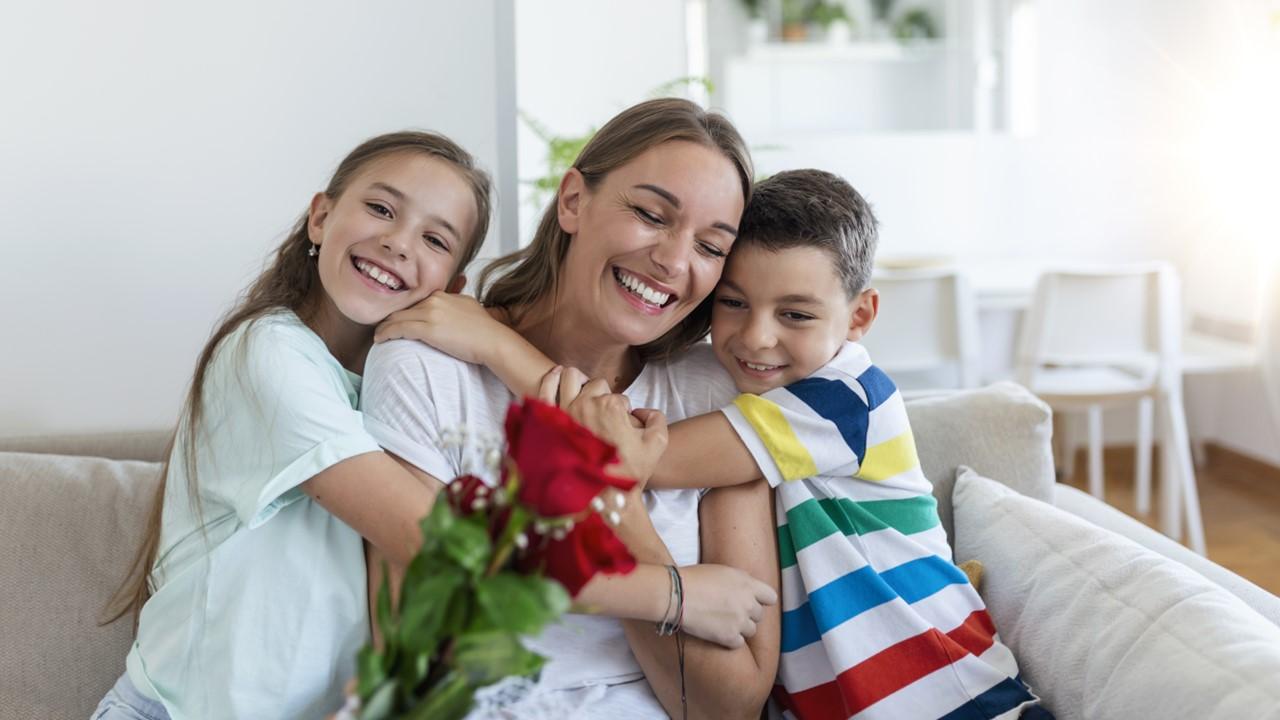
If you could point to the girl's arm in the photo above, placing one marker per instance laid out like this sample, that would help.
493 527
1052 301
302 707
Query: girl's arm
737 532
704 452
460 326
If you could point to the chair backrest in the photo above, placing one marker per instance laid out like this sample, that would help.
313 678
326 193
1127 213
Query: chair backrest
1123 316
927 326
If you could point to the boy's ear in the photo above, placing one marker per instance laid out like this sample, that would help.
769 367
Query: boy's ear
321 204
456 284
864 309
569 200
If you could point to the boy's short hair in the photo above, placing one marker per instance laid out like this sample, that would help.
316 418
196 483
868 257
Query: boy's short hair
813 208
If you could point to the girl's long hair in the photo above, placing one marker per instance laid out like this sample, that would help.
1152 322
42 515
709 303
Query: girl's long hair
290 282
517 281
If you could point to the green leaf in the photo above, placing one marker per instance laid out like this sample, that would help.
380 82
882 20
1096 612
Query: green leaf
370 672
467 543
450 699
423 605
386 621
521 603
487 657
381 704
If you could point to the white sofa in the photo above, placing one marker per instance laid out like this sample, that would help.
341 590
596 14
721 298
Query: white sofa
73 508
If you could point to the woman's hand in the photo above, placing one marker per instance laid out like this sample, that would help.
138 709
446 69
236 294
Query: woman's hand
722 604
640 436
449 322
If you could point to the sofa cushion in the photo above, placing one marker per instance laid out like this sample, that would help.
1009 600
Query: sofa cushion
1002 431
1103 627
69 527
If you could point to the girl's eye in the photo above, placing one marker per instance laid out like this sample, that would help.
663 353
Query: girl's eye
730 302
646 216
379 209
711 250
437 241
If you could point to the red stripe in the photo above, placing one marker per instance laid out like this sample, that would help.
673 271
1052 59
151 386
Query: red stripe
890 670
976 633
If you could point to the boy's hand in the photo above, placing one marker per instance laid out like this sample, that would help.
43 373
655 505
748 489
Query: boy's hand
449 322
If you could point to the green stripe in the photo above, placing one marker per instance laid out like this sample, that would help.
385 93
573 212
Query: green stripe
812 520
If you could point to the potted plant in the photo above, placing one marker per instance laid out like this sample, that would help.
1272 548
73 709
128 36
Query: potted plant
795 16
915 24
836 25
757 26
880 12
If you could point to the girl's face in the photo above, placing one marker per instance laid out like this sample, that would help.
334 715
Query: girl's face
649 242
394 236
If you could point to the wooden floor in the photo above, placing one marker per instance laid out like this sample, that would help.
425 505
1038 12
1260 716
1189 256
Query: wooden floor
1240 500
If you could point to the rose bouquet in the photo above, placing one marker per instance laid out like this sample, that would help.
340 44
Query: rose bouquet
497 562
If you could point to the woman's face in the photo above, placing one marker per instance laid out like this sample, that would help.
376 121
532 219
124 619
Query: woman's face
649 241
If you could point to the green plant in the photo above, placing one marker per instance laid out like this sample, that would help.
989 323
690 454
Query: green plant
563 150
753 8
824 13
916 24
882 8
795 12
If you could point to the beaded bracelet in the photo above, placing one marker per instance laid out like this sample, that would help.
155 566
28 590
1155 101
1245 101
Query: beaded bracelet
670 625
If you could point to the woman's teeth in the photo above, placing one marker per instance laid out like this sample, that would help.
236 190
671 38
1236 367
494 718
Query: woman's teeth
633 283
376 273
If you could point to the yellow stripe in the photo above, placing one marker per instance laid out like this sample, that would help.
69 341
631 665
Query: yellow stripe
890 458
788 453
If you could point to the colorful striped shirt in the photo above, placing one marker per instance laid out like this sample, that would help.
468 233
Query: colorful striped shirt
877 622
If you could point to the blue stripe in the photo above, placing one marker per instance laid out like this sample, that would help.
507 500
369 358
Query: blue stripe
921 578
837 402
877 386
859 591
1000 699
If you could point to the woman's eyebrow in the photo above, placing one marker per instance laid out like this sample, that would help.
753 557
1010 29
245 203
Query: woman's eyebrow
675 202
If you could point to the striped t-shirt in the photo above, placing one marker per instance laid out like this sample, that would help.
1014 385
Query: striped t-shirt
877 622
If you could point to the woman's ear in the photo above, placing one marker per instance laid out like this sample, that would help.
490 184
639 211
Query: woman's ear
863 310
569 200
321 204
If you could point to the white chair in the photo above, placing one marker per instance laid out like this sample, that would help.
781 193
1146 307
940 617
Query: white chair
926 335
1098 338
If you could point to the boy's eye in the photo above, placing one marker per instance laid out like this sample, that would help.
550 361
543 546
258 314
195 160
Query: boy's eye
796 316
730 302
379 209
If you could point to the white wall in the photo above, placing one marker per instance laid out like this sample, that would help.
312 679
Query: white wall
154 152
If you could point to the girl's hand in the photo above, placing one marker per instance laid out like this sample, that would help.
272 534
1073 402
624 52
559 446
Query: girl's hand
722 604
449 322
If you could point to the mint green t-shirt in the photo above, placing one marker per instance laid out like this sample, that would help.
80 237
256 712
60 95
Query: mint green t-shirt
262 613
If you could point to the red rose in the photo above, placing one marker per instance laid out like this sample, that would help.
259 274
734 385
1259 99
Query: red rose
590 548
561 463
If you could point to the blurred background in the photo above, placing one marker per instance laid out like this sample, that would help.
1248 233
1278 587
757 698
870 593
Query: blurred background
153 153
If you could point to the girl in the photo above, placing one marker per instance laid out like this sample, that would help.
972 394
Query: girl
249 591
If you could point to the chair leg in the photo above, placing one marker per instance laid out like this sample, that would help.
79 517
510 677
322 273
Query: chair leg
1170 494
1142 476
1095 452
1067 445
1180 455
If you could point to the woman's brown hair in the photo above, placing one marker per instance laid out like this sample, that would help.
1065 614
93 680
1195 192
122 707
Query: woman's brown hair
291 282
517 281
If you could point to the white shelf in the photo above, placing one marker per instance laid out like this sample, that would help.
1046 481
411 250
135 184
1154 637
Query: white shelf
855 51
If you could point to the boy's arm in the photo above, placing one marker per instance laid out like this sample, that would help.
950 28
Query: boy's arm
704 452
462 327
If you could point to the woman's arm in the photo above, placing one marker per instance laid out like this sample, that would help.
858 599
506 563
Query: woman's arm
737 531
460 326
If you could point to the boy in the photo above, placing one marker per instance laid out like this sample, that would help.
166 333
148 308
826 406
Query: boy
877 621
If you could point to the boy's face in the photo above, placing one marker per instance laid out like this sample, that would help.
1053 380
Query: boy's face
780 316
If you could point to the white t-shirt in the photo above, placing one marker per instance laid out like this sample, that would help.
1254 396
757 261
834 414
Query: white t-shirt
261 605
441 414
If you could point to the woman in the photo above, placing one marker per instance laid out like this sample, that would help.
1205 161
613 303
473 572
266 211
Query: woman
615 283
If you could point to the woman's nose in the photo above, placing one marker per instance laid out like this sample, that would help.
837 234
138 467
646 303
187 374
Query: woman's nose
671 255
